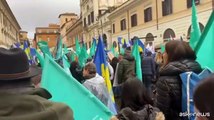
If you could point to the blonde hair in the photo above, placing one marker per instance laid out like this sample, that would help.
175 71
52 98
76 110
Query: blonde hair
159 57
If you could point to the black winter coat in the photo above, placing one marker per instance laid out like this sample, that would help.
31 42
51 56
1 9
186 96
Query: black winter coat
169 93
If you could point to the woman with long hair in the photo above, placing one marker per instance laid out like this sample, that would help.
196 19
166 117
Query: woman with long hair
137 103
179 58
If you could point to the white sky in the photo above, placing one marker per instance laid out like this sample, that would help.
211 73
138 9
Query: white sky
39 13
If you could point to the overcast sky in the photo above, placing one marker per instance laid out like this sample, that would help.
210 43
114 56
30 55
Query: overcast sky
39 13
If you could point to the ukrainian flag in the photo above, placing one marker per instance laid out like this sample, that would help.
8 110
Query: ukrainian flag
102 69
27 51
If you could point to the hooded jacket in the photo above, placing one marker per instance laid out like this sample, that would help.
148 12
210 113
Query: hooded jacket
126 68
168 97
32 104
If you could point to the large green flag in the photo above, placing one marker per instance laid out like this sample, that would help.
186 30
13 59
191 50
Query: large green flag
64 88
43 46
136 54
77 45
205 47
195 30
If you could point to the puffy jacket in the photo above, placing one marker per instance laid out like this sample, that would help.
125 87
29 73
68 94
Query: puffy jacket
148 66
168 97
126 69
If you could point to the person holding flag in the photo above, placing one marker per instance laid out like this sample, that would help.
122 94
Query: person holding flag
102 69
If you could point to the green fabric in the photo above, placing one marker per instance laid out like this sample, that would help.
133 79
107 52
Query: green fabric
77 45
64 88
195 30
59 49
136 54
113 51
83 56
40 58
162 48
205 46
43 46
122 51
93 49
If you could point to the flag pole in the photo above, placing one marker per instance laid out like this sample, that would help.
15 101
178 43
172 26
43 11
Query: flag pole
213 4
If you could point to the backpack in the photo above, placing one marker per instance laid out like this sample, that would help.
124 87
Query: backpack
189 82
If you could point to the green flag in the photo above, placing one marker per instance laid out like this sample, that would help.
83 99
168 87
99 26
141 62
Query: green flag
113 51
64 88
43 46
93 48
77 45
136 54
195 30
122 51
83 56
59 49
162 48
205 46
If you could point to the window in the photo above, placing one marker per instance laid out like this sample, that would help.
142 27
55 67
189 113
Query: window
123 24
92 17
84 22
134 20
189 3
148 14
66 19
113 28
89 19
166 7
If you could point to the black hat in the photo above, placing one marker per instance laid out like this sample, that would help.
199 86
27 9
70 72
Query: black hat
14 65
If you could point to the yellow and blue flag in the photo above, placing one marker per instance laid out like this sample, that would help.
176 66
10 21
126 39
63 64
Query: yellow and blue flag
102 69
27 51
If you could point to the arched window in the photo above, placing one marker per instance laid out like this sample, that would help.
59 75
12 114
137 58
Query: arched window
168 34
149 39
189 30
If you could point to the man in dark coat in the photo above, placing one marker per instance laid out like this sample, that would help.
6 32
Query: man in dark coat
19 99
149 71
126 67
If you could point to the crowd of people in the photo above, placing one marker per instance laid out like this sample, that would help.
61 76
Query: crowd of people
157 97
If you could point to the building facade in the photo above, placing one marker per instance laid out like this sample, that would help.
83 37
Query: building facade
66 20
94 18
73 32
23 36
155 21
49 34
9 27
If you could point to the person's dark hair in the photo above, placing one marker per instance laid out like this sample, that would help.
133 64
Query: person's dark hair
134 95
178 50
76 71
204 97
114 62
91 68
149 53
